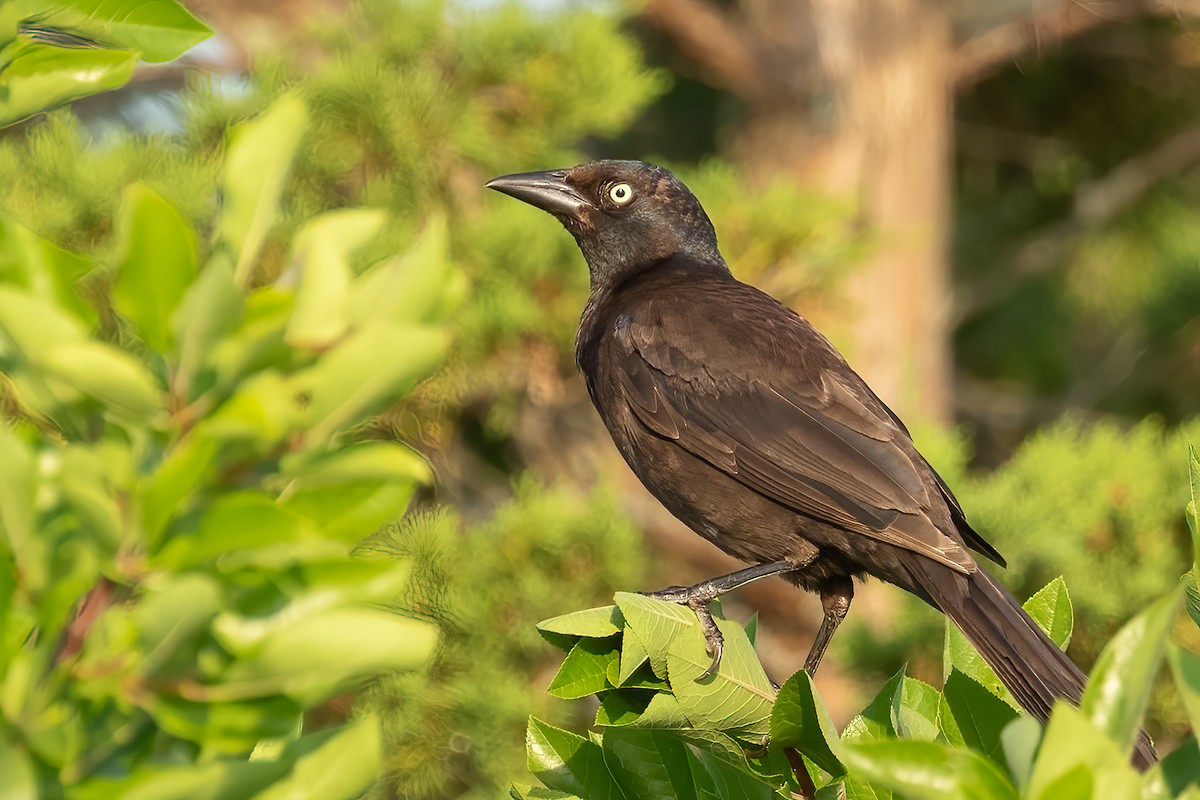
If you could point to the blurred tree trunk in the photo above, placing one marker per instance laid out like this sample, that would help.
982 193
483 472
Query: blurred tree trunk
852 96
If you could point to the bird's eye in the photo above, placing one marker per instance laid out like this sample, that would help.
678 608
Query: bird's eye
621 193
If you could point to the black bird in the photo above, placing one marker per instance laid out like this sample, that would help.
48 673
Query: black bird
750 427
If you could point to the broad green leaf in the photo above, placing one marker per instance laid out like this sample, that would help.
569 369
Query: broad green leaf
419 286
111 376
160 29
1119 687
1050 608
261 413
20 780
799 720
875 722
655 623
366 461
171 611
156 263
662 712
928 770
1020 740
979 715
165 494
226 779
727 782
342 767
320 654
257 164
1072 745
594 623
365 373
569 763
43 269
737 699
323 249
35 326
231 727
1175 774
38 77
521 792
234 521
585 669
649 765
915 710
633 656
1185 666
210 310
329 585
18 511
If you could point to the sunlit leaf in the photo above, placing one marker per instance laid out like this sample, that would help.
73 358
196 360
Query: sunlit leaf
160 29
649 765
980 716
799 720
1072 746
156 263
323 249
585 669
257 164
43 269
1119 687
928 770
38 77
569 763
341 767
111 376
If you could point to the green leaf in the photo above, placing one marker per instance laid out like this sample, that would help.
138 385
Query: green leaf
165 494
980 716
630 709
232 727
799 720
727 782
18 511
928 770
345 764
210 310
1020 740
1175 774
633 656
1072 746
37 77
655 624
256 166
20 780
43 270
585 669
1119 687
875 722
323 248
915 710
419 286
737 699
569 763
649 765
365 373
594 623
160 29
111 376
1185 666
156 263
320 654
1050 608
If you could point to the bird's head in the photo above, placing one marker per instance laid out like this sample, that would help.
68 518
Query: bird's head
626 216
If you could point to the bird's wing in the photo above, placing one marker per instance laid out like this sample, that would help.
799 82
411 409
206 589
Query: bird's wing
792 423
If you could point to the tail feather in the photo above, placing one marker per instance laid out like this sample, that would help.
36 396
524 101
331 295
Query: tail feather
1021 654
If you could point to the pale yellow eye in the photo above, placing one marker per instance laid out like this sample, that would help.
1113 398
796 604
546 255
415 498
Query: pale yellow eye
621 193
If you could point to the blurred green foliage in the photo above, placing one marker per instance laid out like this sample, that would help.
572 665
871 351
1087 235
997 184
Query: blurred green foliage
457 729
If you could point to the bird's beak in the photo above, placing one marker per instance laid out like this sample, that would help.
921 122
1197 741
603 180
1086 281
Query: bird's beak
548 191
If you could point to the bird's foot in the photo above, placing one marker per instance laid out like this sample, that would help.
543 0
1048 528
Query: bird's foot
697 599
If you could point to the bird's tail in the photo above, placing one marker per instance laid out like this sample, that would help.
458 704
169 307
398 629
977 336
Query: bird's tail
1022 656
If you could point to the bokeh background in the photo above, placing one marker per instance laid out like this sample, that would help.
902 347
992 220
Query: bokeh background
993 208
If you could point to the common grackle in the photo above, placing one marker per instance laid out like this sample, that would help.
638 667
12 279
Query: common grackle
746 423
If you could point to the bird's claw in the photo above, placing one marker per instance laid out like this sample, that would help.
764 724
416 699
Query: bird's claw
697 599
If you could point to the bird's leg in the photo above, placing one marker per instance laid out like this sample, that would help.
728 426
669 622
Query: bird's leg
835 599
698 596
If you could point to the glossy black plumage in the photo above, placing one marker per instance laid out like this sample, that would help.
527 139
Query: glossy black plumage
748 425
